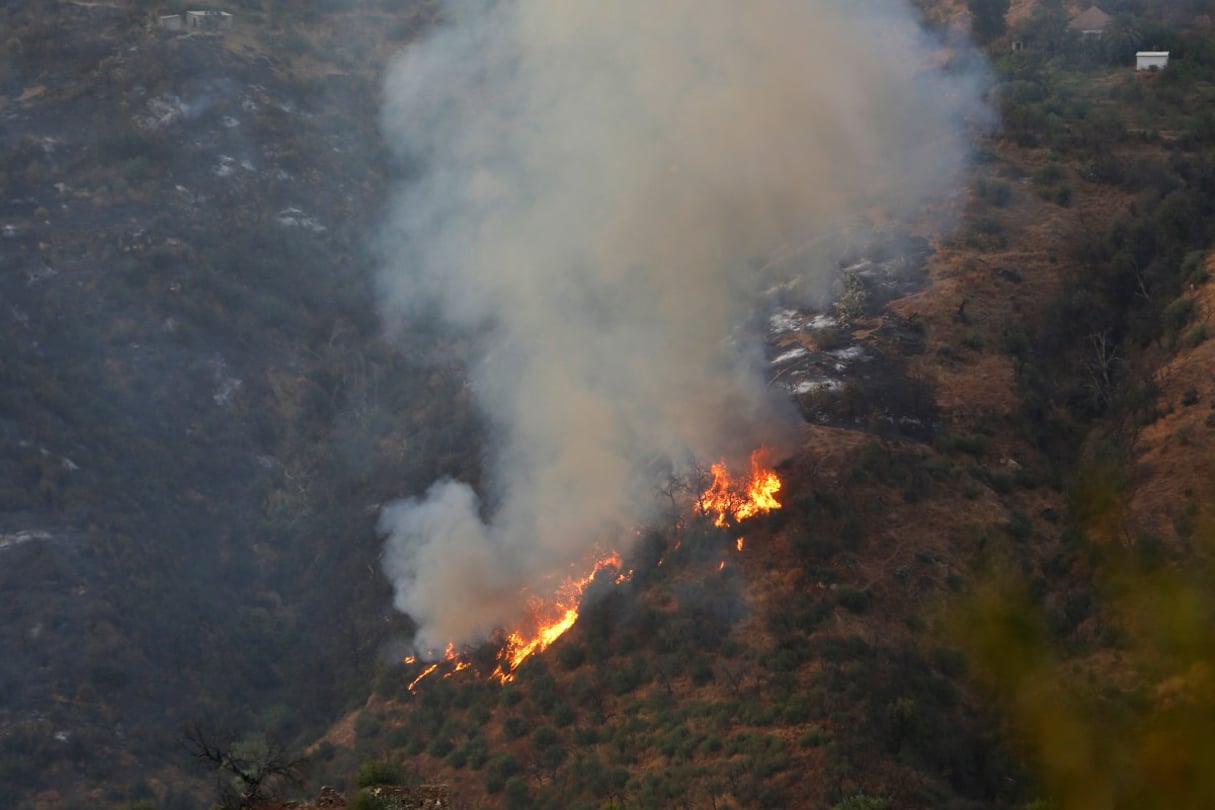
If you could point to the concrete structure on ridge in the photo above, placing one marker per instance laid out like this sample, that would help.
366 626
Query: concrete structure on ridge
208 20
1151 60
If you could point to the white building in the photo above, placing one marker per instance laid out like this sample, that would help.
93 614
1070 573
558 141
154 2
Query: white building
208 20
1151 60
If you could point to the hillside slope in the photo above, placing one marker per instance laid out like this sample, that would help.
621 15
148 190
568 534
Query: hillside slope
199 419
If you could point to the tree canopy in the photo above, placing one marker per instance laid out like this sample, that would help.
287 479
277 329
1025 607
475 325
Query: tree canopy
988 18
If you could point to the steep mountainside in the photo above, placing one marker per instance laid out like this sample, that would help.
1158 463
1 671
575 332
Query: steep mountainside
195 408
994 535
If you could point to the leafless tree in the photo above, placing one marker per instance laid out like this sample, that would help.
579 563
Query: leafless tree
247 774
734 677
1102 364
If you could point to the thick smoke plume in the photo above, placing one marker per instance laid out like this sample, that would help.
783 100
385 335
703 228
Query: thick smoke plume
603 188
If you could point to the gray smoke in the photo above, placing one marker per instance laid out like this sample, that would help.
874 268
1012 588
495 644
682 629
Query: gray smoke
604 188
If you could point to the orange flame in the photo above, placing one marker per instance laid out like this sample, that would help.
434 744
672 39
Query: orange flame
726 499
729 499
550 619
740 542
461 663
425 672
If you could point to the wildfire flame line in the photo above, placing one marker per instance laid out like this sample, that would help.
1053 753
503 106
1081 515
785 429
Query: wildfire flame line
551 619
726 499
425 672
729 499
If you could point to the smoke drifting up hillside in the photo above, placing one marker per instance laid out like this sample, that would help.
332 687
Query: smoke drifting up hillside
603 185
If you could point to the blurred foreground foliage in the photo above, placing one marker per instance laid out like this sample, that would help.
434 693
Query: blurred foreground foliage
1128 726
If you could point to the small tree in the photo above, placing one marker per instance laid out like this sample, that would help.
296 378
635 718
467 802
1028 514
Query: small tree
987 18
247 772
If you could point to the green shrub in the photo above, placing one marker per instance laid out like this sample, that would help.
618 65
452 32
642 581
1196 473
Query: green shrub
1019 525
544 737
974 341
996 192
374 772
457 758
852 599
440 747
1193 270
1194 337
947 353
476 753
813 737
518 797
366 725
564 714
571 656
973 443
501 768
860 801
700 670
367 800
1011 276
515 726
1049 174
988 226
1178 314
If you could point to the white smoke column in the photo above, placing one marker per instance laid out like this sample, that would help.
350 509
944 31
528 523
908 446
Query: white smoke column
600 180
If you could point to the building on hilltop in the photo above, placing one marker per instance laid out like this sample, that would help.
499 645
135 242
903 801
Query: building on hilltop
1151 60
208 20
171 22
1092 22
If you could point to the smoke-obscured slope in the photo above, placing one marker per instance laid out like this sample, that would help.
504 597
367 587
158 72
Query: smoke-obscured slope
603 189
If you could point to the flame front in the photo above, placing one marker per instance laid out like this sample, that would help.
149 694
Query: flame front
729 499
547 622
725 500
550 619
418 679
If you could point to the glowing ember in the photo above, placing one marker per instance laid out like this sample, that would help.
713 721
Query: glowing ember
729 499
740 542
